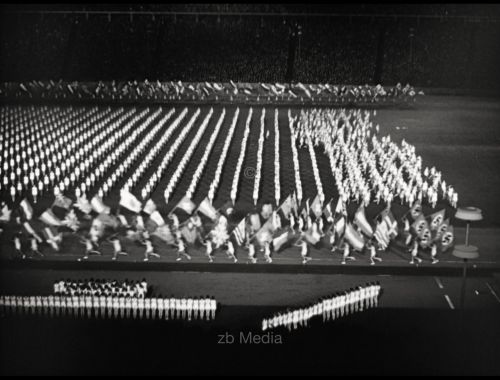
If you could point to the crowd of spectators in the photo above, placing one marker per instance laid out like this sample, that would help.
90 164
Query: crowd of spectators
453 10
252 48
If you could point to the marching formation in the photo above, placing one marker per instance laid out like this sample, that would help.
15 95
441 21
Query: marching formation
136 289
118 307
108 299
330 308
57 158
365 165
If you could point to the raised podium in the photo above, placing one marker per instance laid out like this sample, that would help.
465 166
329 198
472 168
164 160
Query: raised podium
465 251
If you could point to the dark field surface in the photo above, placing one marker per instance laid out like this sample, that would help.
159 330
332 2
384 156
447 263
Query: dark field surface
377 341
425 291
415 330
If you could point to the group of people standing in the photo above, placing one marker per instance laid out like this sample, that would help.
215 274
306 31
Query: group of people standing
330 308
108 299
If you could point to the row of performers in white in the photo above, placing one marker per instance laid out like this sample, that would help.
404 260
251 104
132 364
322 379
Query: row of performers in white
110 307
330 308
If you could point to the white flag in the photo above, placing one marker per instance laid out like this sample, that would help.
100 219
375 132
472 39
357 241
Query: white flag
28 210
185 204
157 218
83 205
98 206
129 201
49 218
239 232
207 209
149 207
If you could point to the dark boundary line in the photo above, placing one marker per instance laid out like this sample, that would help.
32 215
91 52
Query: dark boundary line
455 270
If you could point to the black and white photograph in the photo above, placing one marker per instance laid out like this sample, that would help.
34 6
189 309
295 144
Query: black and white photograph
250 189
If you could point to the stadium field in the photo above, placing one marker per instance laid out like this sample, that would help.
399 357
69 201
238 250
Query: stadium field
249 189
285 289
457 135
417 329
379 341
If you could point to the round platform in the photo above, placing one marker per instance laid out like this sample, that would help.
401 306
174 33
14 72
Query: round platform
466 252
469 214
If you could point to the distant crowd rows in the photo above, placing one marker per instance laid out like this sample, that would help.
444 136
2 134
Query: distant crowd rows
137 91
429 53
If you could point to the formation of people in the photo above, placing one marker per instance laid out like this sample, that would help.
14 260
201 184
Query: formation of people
91 287
329 308
365 166
46 162
110 306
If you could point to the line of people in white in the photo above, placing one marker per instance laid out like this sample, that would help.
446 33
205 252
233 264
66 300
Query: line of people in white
175 147
187 156
222 159
204 159
241 157
260 149
317 178
295 158
277 183
152 154
330 308
114 307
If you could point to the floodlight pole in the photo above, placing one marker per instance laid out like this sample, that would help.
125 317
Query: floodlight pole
466 251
